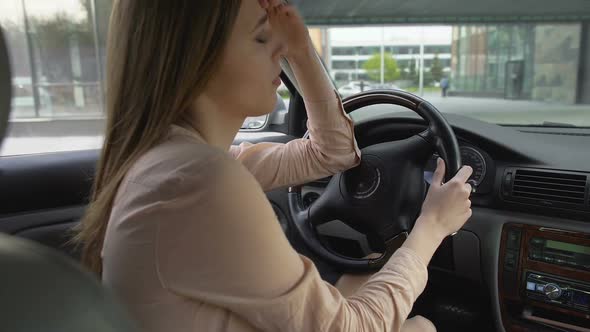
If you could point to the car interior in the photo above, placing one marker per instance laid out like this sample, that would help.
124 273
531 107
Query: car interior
520 263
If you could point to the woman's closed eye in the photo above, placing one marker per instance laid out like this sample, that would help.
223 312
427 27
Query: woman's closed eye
262 39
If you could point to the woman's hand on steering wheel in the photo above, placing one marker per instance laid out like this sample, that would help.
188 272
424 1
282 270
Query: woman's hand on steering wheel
447 206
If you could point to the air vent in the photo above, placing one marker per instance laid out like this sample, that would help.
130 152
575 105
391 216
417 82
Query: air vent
549 188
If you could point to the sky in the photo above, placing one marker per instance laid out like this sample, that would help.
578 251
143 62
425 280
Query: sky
392 35
11 9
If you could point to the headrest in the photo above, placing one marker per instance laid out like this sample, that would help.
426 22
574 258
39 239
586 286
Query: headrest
43 290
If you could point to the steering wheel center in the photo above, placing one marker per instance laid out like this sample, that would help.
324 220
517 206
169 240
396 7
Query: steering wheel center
364 181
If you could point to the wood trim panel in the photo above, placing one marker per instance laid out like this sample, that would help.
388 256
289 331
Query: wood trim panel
512 297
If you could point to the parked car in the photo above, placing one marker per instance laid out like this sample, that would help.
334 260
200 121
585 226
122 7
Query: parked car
387 86
354 87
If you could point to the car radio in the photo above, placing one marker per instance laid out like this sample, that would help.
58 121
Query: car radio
559 253
557 290
544 278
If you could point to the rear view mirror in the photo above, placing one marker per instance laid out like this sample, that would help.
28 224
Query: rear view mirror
277 117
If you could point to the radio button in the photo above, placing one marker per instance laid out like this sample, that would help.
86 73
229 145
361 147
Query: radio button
552 291
513 239
548 259
510 261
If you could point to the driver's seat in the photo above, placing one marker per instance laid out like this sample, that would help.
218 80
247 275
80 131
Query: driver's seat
40 288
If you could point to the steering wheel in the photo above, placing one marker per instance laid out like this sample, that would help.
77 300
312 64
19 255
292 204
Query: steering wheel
384 194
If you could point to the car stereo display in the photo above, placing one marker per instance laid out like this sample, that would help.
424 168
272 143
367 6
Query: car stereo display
560 253
567 247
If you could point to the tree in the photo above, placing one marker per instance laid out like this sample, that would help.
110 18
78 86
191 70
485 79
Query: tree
103 12
61 41
373 67
17 39
436 69
52 37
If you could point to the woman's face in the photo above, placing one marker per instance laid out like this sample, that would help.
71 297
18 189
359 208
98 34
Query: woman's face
248 78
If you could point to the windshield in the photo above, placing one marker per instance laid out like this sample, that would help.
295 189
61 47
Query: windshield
509 74
514 74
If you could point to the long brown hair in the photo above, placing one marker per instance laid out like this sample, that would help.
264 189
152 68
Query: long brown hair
160 57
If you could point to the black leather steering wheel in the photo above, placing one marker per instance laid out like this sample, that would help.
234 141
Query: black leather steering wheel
381 195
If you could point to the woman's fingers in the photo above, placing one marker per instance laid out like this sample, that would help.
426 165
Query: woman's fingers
273 7
464 174
263 3
468 187
281 13
439 173
278 6
288 10
274 3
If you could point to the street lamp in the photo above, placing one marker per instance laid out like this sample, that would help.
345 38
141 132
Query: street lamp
356 63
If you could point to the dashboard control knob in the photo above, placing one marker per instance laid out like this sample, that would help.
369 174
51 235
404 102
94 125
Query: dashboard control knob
552 291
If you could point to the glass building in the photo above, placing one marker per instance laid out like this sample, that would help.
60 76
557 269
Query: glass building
524 61
347 49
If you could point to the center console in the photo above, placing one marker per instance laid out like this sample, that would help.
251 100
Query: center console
544 279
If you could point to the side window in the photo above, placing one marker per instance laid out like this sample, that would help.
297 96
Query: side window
56 51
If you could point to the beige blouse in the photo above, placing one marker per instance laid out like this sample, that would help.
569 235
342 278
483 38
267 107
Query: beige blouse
193 244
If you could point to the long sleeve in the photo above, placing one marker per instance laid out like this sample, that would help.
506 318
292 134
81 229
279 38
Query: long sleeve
218 242
331 149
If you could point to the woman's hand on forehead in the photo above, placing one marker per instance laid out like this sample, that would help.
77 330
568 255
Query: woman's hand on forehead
266 3
289 27
263 3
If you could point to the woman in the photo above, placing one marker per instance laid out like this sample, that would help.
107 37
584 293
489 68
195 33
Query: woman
179 226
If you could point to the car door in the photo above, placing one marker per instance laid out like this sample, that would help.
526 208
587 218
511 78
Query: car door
48 159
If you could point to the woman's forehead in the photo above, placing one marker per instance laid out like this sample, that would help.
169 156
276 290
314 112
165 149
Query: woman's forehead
249 15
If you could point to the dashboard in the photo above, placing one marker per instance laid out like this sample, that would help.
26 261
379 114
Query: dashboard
529 179
479 160
526 247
